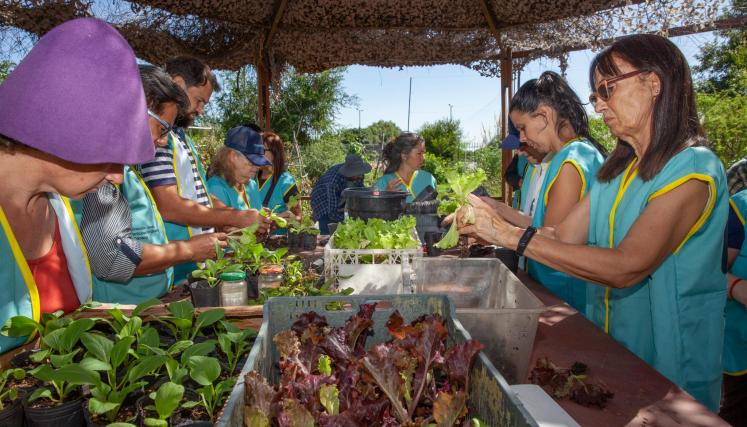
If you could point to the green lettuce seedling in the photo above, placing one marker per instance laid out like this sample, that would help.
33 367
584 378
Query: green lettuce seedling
454 196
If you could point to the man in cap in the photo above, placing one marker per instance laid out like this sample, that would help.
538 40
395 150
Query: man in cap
62 135
326 200
176 175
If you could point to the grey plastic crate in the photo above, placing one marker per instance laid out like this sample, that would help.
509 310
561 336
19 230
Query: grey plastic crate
490 399
491 303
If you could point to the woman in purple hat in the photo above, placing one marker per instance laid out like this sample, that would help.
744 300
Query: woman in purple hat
71 115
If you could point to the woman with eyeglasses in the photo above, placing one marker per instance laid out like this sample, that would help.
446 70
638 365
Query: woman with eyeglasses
551 119
649 236
131 257
231 175
276 186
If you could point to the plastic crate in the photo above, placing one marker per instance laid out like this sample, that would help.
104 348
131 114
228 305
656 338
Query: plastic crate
491 303
490 398
369 271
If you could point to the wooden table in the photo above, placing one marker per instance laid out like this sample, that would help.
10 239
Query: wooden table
643 397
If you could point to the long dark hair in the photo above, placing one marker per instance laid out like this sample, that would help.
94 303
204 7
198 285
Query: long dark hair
553 90
393 150
675 122
160 89
275 145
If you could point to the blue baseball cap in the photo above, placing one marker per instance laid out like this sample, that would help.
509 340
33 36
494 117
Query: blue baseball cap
512 139
248 141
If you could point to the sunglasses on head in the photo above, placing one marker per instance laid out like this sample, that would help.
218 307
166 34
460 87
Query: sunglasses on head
605 87
165 126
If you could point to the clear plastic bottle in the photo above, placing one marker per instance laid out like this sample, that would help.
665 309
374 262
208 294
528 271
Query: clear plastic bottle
234 290
270 276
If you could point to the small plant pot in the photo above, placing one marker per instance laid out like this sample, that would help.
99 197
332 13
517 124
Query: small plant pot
130 401
69 414
293 240
12 415
308 241
203 295
252 290
177 419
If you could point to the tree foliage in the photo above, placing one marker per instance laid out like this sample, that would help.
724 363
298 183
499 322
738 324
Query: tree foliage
443 138
382 130
601 133
5 68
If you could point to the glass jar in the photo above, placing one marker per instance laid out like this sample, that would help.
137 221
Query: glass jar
270 276
233 289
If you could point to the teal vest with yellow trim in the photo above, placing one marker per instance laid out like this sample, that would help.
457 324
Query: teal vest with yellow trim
582 154
524 168
223 191
735 334
147 227
21 296
418 182
674 318
285 183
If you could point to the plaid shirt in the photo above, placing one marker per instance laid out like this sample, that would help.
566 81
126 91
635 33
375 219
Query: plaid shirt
325 196
736 176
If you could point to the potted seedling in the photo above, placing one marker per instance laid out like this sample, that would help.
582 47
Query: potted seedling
206 291
159 409
302 234
206 372
11 402
234 343
120 377
247 252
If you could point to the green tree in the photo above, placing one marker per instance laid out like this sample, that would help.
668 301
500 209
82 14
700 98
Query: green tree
722 90
443 138
382 130
5 68
601 133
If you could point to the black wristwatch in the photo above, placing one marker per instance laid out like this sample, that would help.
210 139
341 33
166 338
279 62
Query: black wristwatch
525 238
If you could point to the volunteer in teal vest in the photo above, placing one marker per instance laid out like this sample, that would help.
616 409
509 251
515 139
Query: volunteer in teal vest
551 119
649 235
525 170
234 167
403 157
131 257
176 177
734 390
276 185
72 113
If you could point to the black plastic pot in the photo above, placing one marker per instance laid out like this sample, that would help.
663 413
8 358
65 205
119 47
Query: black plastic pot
203 295
69 414
23 359
431 238
12 415
293 240
303 241
509 257
135 420
365 203
252 290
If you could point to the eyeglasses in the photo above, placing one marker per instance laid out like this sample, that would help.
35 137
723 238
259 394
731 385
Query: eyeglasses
165 126
604 90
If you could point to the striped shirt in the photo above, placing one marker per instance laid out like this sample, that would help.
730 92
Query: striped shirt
160 171
106 227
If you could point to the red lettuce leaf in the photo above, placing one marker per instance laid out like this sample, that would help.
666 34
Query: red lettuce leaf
379 362
448 408
293 414
459 359
358 327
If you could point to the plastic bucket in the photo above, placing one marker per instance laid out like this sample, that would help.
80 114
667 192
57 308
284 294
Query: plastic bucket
366 203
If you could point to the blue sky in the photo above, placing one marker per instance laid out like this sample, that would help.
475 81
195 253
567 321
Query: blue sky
382 92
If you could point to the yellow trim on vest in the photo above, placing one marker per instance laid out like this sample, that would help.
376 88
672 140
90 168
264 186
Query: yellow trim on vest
736 374
704 215
83 249
242 195
159 219
28 278
408 186
736 211
580 173
289 189
269 178
628 177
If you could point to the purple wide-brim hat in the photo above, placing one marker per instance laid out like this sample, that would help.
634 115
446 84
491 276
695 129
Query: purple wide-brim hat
78 96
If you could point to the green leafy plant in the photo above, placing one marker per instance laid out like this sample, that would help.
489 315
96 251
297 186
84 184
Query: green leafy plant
305 226
165 401
61 382
274 257
182 321
11 393
454 196
272 216
298 283
211 270
107 358
234 343
206 371
376 234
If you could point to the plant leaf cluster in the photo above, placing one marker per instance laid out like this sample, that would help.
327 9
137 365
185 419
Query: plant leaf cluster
327 377
573 383
376 233
454 196
297 283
